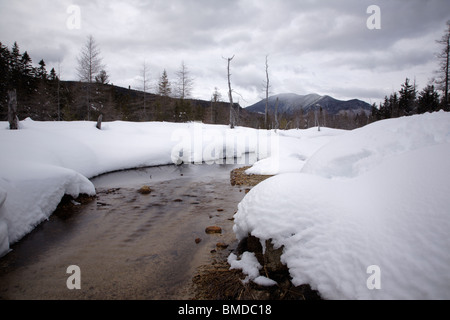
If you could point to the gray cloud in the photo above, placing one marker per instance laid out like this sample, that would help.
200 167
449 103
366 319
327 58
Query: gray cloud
313 46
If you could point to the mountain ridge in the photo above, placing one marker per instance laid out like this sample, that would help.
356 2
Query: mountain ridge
292 102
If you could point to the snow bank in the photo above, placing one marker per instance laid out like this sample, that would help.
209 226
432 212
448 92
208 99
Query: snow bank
294 147
4 238
378 196
45 160
362 149
34 191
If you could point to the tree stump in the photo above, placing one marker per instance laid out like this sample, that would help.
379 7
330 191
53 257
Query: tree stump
99 122
12 110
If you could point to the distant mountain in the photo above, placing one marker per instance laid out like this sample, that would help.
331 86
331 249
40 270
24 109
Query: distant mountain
290 102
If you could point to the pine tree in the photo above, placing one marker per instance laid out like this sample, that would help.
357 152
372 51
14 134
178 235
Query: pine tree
41 72
164 88
25 66
53 76
407 98
395 109
15 58
4 79
14 66
428 100
26 76
102 77
386 108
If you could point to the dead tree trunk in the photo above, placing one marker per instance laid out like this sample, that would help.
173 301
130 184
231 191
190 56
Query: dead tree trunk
276 116
12 110
99 122
230 94
267 95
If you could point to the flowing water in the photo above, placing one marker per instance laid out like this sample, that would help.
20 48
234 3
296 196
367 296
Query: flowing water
128 245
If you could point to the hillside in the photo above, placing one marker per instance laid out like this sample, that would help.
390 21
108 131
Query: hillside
290 102
39 99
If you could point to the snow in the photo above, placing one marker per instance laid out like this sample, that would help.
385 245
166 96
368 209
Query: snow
375 196
293 148
4 239
45 160
250 266
340 202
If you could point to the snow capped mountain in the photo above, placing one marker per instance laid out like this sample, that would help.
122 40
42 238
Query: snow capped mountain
291 102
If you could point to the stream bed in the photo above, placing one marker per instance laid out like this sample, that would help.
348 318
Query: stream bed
128 245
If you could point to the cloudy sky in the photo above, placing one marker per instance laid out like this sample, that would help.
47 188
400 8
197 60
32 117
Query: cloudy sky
321 46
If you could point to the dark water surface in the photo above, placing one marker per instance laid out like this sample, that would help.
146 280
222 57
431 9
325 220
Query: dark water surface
128 245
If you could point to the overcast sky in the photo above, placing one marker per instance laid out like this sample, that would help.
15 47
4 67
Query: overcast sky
322 46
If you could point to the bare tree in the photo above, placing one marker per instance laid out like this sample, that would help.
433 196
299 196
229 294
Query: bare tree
277 124
184 82
58 91
267 86
443 57
230 93
145 83
89 64
216 97
317 116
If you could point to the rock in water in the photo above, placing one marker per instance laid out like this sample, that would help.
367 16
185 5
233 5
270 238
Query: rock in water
145 190
213 229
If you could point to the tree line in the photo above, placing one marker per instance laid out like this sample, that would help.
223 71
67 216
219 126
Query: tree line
42 96
409 100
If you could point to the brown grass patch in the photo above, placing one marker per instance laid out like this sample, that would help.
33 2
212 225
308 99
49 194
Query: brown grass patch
238 177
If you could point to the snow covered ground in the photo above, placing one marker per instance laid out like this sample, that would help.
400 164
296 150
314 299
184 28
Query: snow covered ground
42 161
367 216
352 209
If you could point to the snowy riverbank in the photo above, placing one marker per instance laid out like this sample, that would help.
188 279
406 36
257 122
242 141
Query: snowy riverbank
353 210
367 216
42 161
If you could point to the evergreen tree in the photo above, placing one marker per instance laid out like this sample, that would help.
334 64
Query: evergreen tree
102 77
14 66
25 66
394 104
407 98
428 100
376 114
385 109
164 88
53 76
15 58
41 72
4 79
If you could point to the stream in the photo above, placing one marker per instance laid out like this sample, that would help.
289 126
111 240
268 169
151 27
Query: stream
128 245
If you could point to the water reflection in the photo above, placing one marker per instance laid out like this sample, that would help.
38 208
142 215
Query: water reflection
128 245
219 169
